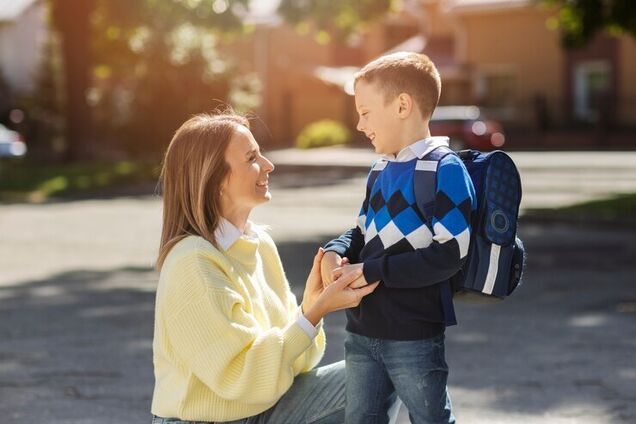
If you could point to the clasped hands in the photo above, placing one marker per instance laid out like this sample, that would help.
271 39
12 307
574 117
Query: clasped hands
333 267
333 284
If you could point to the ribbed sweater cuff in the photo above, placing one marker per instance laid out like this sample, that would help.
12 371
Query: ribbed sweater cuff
372 269
296 342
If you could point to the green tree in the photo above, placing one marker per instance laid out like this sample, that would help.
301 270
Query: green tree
339 17
580 20
133 70
72 20
158 63
149 58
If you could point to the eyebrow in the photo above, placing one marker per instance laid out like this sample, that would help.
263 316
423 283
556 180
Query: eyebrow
253 151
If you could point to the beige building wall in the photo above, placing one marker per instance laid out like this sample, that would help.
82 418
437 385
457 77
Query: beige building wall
627 81
514 43
291 56
438 22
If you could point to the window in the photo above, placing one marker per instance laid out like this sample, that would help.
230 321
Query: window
592 81
497 89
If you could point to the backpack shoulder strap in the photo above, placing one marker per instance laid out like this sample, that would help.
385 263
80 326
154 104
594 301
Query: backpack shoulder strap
425 188
425 180
438 153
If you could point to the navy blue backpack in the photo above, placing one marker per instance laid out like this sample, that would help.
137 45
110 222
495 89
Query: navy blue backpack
495 260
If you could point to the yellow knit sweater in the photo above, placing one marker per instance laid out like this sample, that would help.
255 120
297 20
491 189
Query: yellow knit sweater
226 343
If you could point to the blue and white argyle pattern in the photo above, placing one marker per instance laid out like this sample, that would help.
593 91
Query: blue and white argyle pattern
390 217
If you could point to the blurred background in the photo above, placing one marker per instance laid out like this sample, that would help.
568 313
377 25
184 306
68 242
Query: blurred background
91 92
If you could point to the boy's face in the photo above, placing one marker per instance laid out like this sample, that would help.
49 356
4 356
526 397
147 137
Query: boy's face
378 120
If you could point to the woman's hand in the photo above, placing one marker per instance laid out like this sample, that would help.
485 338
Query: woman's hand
318 301
346 268
314 285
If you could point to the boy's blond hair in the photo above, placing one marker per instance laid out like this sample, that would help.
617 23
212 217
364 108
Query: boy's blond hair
405 72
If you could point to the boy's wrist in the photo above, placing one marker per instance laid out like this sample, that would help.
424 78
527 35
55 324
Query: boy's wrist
372 269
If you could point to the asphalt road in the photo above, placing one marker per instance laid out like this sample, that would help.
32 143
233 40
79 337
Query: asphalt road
77 293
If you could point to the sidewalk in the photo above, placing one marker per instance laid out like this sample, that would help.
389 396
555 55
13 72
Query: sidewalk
549 179
77 295
359 157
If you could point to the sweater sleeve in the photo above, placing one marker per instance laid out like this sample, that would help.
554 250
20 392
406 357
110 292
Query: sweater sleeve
454 201
216 335
350 243
312 355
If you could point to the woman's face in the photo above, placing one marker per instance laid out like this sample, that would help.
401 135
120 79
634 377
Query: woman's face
247 183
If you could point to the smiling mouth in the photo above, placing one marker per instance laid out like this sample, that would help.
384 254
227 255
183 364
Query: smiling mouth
263 184
371 136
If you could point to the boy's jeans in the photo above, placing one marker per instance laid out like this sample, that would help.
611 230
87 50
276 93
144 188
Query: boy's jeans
316 397
378 370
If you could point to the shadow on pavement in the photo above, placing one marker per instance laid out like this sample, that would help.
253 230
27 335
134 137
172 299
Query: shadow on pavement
77 347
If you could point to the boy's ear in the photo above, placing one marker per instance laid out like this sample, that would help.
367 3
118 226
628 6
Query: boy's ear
405 105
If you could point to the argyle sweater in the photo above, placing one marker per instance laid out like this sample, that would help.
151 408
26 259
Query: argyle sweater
412 256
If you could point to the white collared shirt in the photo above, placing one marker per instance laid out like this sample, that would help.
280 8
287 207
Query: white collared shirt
226 234
418 149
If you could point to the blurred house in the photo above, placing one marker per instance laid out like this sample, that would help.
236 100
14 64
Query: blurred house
519 71
503 55
23 30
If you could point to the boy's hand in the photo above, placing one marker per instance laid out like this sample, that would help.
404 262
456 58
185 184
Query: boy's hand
346 269
329 262
319 301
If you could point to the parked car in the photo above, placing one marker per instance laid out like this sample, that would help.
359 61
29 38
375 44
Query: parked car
11 143
467 128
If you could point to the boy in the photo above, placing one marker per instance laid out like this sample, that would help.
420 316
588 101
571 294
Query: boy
395 337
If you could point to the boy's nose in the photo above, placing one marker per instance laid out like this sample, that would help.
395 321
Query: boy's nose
360 127
268 165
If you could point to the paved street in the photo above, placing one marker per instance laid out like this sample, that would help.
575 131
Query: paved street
77 292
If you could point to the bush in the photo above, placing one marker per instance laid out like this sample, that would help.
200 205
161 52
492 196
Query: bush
323 133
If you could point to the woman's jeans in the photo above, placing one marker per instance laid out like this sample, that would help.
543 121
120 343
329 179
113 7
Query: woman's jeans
379 370
316 397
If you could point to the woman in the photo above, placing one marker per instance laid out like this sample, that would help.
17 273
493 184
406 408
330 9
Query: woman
230 341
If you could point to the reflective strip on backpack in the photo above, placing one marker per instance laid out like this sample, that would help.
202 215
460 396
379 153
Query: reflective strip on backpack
426 165
493 269
379 165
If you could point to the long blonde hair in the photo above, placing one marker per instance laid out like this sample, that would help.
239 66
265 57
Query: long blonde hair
194 168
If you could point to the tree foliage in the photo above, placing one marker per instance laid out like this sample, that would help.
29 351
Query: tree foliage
142 68
580 20
135 69
339 17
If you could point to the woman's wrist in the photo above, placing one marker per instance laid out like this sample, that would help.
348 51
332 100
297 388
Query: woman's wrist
313 312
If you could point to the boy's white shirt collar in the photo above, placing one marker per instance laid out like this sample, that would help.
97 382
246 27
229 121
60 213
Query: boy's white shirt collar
418 149
226 233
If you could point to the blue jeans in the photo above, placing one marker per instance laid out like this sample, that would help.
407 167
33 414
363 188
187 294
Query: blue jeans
316 397
380 370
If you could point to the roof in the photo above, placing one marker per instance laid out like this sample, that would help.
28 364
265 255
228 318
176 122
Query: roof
339 76
263 12
10 10
440 50
484 5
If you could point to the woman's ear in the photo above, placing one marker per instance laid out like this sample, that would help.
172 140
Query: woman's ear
405 105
